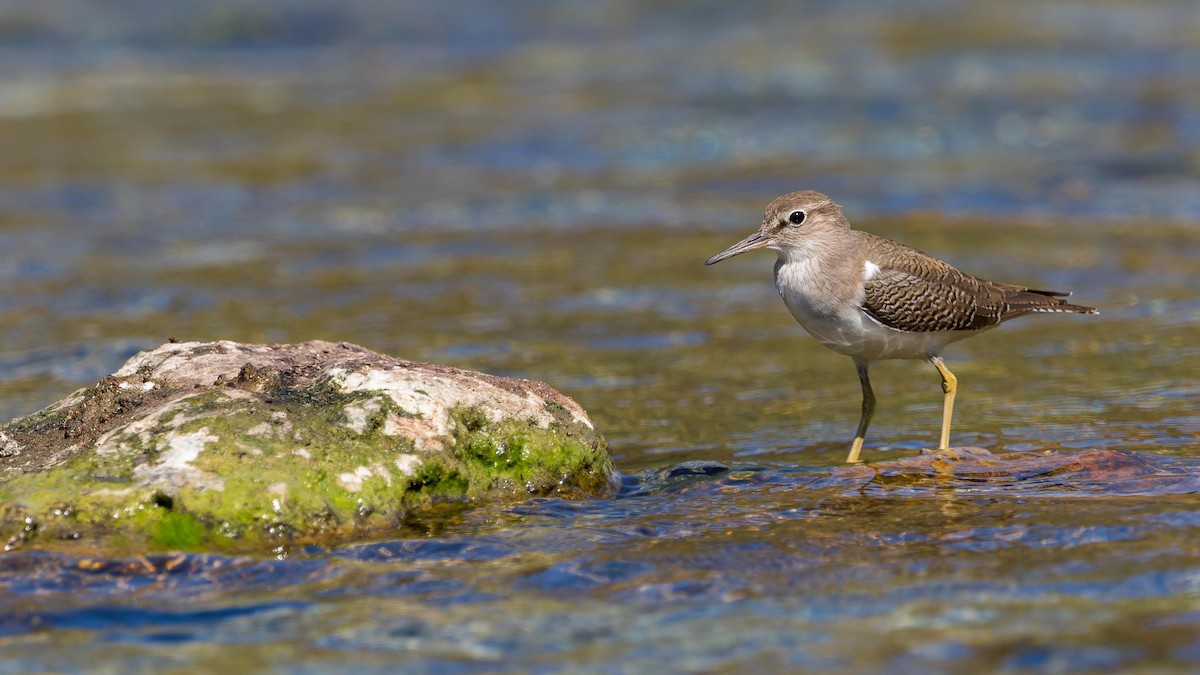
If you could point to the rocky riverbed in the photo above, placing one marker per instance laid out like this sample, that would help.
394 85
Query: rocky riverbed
227 446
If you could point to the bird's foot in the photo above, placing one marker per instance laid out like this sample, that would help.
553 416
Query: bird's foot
957 453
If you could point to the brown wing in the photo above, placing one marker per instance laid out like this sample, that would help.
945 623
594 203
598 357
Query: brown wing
916 292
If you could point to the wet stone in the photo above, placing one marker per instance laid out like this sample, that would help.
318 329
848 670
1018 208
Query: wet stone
1094 472
233 447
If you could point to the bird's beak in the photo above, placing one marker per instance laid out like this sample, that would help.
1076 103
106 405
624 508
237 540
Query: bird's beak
754 241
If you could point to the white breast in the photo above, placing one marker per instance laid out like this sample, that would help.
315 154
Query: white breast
833 315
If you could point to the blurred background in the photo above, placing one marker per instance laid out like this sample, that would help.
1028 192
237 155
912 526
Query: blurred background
530 188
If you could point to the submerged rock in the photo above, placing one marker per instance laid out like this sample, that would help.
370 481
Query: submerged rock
226 446
977 471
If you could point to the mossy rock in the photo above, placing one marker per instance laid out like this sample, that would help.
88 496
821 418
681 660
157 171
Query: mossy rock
232 447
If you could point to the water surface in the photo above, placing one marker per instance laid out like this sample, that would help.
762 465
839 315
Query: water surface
531 189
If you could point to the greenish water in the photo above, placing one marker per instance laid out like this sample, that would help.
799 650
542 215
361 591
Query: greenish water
531 190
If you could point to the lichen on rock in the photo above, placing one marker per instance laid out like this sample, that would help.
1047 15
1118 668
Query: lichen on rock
226 446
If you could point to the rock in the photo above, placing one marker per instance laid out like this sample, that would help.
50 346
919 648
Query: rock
232 447
976 471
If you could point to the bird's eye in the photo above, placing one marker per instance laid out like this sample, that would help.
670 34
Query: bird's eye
796 218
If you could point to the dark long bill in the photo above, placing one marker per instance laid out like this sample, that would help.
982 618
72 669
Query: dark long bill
754 241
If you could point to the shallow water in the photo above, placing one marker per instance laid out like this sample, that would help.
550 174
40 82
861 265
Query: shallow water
530 189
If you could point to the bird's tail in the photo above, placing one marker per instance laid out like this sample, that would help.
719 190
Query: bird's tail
1025 300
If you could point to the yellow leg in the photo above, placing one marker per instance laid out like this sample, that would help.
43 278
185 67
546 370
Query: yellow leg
949 386
868 409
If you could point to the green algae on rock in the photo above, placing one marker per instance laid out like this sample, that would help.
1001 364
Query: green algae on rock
227 446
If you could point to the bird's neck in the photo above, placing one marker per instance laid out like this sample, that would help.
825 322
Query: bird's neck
821 250
823 272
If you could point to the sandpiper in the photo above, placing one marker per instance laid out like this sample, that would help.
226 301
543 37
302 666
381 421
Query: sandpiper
872 298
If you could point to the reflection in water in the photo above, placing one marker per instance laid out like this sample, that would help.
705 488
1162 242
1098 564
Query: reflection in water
530 188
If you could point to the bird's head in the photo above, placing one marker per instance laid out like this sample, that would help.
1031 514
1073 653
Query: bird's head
788 221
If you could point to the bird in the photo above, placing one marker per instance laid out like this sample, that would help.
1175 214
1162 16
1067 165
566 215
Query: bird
872 298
